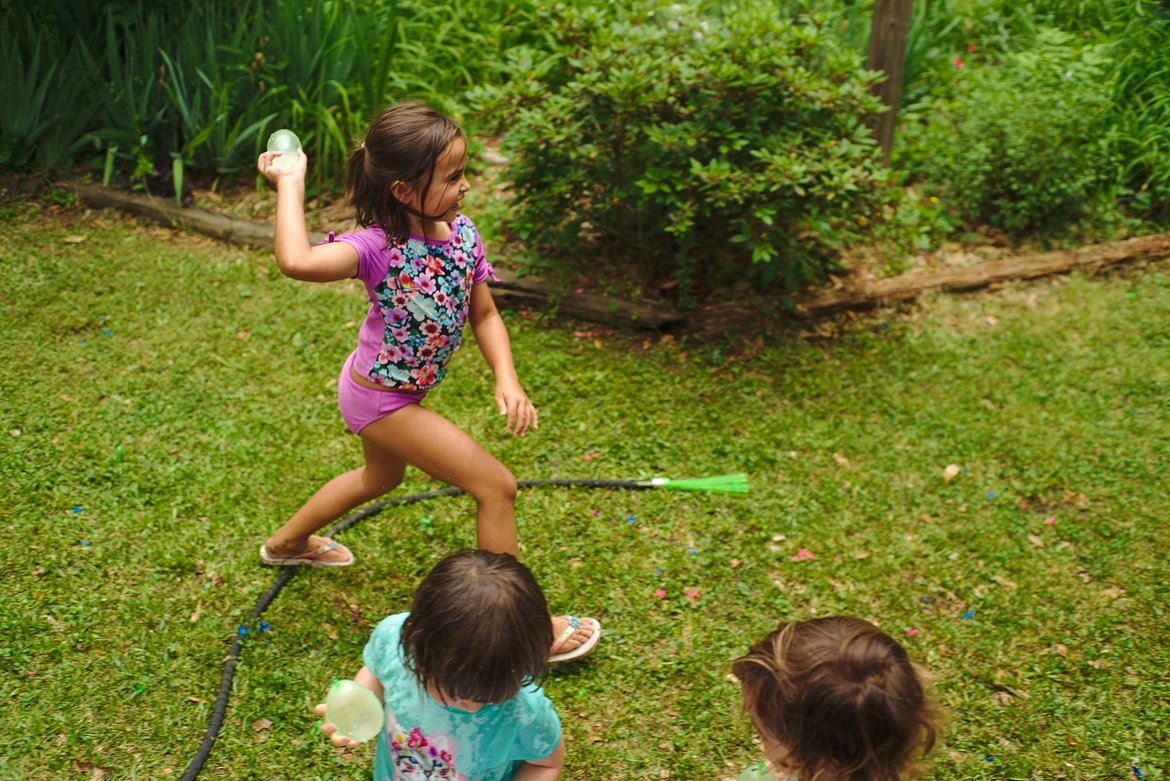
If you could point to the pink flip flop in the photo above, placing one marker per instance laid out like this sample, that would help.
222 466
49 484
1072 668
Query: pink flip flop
580 650
312 558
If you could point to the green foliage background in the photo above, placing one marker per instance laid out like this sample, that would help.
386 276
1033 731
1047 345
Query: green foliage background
692 145
698 140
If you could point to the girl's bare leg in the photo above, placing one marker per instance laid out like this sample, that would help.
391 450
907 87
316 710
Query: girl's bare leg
442 450
432 443
379 475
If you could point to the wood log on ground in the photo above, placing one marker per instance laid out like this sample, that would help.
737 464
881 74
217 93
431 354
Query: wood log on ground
513 293
220 226
909 286
509 293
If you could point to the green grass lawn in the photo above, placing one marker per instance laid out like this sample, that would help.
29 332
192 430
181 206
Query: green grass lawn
167 401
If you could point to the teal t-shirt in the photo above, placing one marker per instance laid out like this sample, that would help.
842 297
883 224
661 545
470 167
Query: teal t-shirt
426 741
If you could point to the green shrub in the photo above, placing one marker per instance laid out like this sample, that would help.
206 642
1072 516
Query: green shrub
1020 143
47 98
693 145
1139 116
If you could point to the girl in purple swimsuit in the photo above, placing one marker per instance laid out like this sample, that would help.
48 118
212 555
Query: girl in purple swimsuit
425 274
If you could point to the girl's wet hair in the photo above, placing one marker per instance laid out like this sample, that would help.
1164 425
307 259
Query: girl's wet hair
402 144
838 699
479 628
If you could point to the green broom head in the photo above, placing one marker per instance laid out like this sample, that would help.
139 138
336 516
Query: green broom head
720 484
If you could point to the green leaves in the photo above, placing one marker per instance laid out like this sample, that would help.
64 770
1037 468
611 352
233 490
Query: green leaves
139 83
714 138
1022 163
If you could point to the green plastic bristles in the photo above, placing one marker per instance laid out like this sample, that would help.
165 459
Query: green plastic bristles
721 484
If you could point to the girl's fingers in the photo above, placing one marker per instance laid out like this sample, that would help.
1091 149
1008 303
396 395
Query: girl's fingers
520 410
339 740
320 709
526 419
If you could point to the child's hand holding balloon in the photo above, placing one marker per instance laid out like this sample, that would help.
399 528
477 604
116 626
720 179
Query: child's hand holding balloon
341 741
351 714
284 157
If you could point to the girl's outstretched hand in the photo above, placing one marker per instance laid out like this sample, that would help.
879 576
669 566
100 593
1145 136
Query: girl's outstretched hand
326 728
513 402
275 173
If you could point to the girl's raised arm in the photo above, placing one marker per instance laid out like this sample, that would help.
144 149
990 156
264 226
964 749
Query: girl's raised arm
294 255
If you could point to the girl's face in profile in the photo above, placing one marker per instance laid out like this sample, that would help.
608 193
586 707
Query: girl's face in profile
448 186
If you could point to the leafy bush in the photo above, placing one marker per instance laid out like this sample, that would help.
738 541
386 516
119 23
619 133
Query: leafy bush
1139 117
46 101
141 85
1019 143
693 145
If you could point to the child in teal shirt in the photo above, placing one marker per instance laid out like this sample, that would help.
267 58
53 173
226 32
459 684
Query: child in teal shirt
458 678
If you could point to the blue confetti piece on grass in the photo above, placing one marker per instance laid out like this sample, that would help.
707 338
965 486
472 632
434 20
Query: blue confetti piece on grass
969 614
989 758
658 570
86 544
107 332
1137 771
924 600
242 629
992 495
631 518
76 509
265 626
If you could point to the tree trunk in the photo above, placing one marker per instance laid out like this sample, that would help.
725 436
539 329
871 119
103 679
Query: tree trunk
887 53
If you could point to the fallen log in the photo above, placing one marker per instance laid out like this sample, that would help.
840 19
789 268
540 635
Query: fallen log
509 293
908 286
220 226
512 293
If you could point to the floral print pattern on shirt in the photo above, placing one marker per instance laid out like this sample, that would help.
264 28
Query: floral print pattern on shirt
424 299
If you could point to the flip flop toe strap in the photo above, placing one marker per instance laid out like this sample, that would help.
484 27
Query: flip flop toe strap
324 548
574 624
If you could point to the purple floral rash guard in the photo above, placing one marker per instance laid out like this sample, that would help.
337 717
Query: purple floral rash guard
420 294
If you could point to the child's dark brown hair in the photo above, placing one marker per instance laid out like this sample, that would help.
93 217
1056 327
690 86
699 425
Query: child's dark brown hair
479 628
838 699
402 144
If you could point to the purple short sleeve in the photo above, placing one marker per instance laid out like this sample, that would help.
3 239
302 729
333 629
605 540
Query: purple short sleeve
483 270
372 260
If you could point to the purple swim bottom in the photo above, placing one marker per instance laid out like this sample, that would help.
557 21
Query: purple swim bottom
361 406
